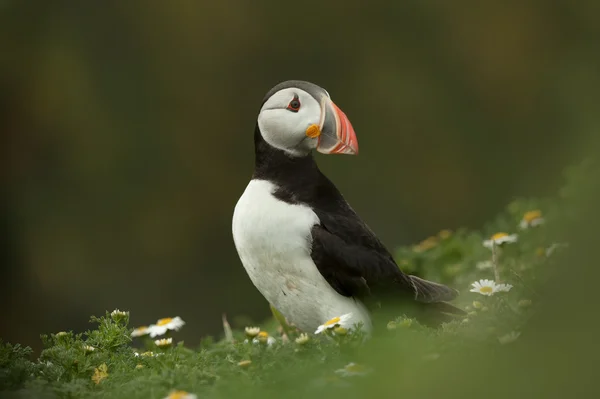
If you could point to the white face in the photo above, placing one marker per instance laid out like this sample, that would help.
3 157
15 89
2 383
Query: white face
284 118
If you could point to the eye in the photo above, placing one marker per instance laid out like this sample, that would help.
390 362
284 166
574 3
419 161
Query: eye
294 105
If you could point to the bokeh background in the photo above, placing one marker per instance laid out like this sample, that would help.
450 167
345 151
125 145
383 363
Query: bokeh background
127 135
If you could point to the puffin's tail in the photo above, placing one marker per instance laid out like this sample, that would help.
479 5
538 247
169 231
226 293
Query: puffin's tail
428 292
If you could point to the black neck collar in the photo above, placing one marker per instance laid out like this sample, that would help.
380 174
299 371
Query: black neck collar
298 179
275 165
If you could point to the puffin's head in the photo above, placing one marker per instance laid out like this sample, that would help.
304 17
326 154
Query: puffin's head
298 116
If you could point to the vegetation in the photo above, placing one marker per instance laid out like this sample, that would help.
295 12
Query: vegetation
406 359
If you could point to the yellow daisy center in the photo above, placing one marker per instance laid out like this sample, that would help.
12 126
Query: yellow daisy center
263 334
532 215
178 394
486 290
332 322
164 321
498 236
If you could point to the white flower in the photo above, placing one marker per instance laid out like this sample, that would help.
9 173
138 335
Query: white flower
263 337
118 313
138 332
531 219
352 369
252 332
164 325
508 338
489 287
503 287
484 265
500 239
181 395
163 342
302 339
342 321
88 348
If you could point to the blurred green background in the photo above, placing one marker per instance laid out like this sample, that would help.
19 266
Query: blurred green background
129 127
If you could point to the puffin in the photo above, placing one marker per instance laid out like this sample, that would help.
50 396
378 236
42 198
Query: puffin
302 245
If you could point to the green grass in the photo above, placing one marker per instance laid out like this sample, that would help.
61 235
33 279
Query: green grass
504 347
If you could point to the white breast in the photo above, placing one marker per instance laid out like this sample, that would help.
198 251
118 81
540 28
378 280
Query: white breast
273 241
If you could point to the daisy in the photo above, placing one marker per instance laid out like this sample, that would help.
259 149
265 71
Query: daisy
118 314
352 369
499 239
531 219
252 332
164 325
263 337
181 395
162 343
88 348
485 287
302 339
508 338
341 321
503 287
138 332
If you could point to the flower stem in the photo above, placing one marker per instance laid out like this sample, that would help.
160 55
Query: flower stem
495 262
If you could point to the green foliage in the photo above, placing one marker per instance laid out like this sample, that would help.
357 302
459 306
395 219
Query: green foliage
14 366
402 359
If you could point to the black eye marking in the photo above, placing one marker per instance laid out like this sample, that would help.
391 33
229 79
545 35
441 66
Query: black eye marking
294 105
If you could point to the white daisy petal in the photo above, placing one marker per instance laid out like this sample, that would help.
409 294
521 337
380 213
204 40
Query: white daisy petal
484 287
339 321
164 325
252 331
531 219
489 287
118 313
138 332
500 239
162 343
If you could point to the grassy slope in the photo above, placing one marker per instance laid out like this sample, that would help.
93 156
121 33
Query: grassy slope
463 358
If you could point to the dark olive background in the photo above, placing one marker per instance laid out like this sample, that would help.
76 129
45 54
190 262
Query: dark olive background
128 135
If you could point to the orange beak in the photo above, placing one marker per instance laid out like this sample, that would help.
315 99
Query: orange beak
337 134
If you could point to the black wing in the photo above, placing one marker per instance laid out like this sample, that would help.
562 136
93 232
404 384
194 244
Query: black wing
355 263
